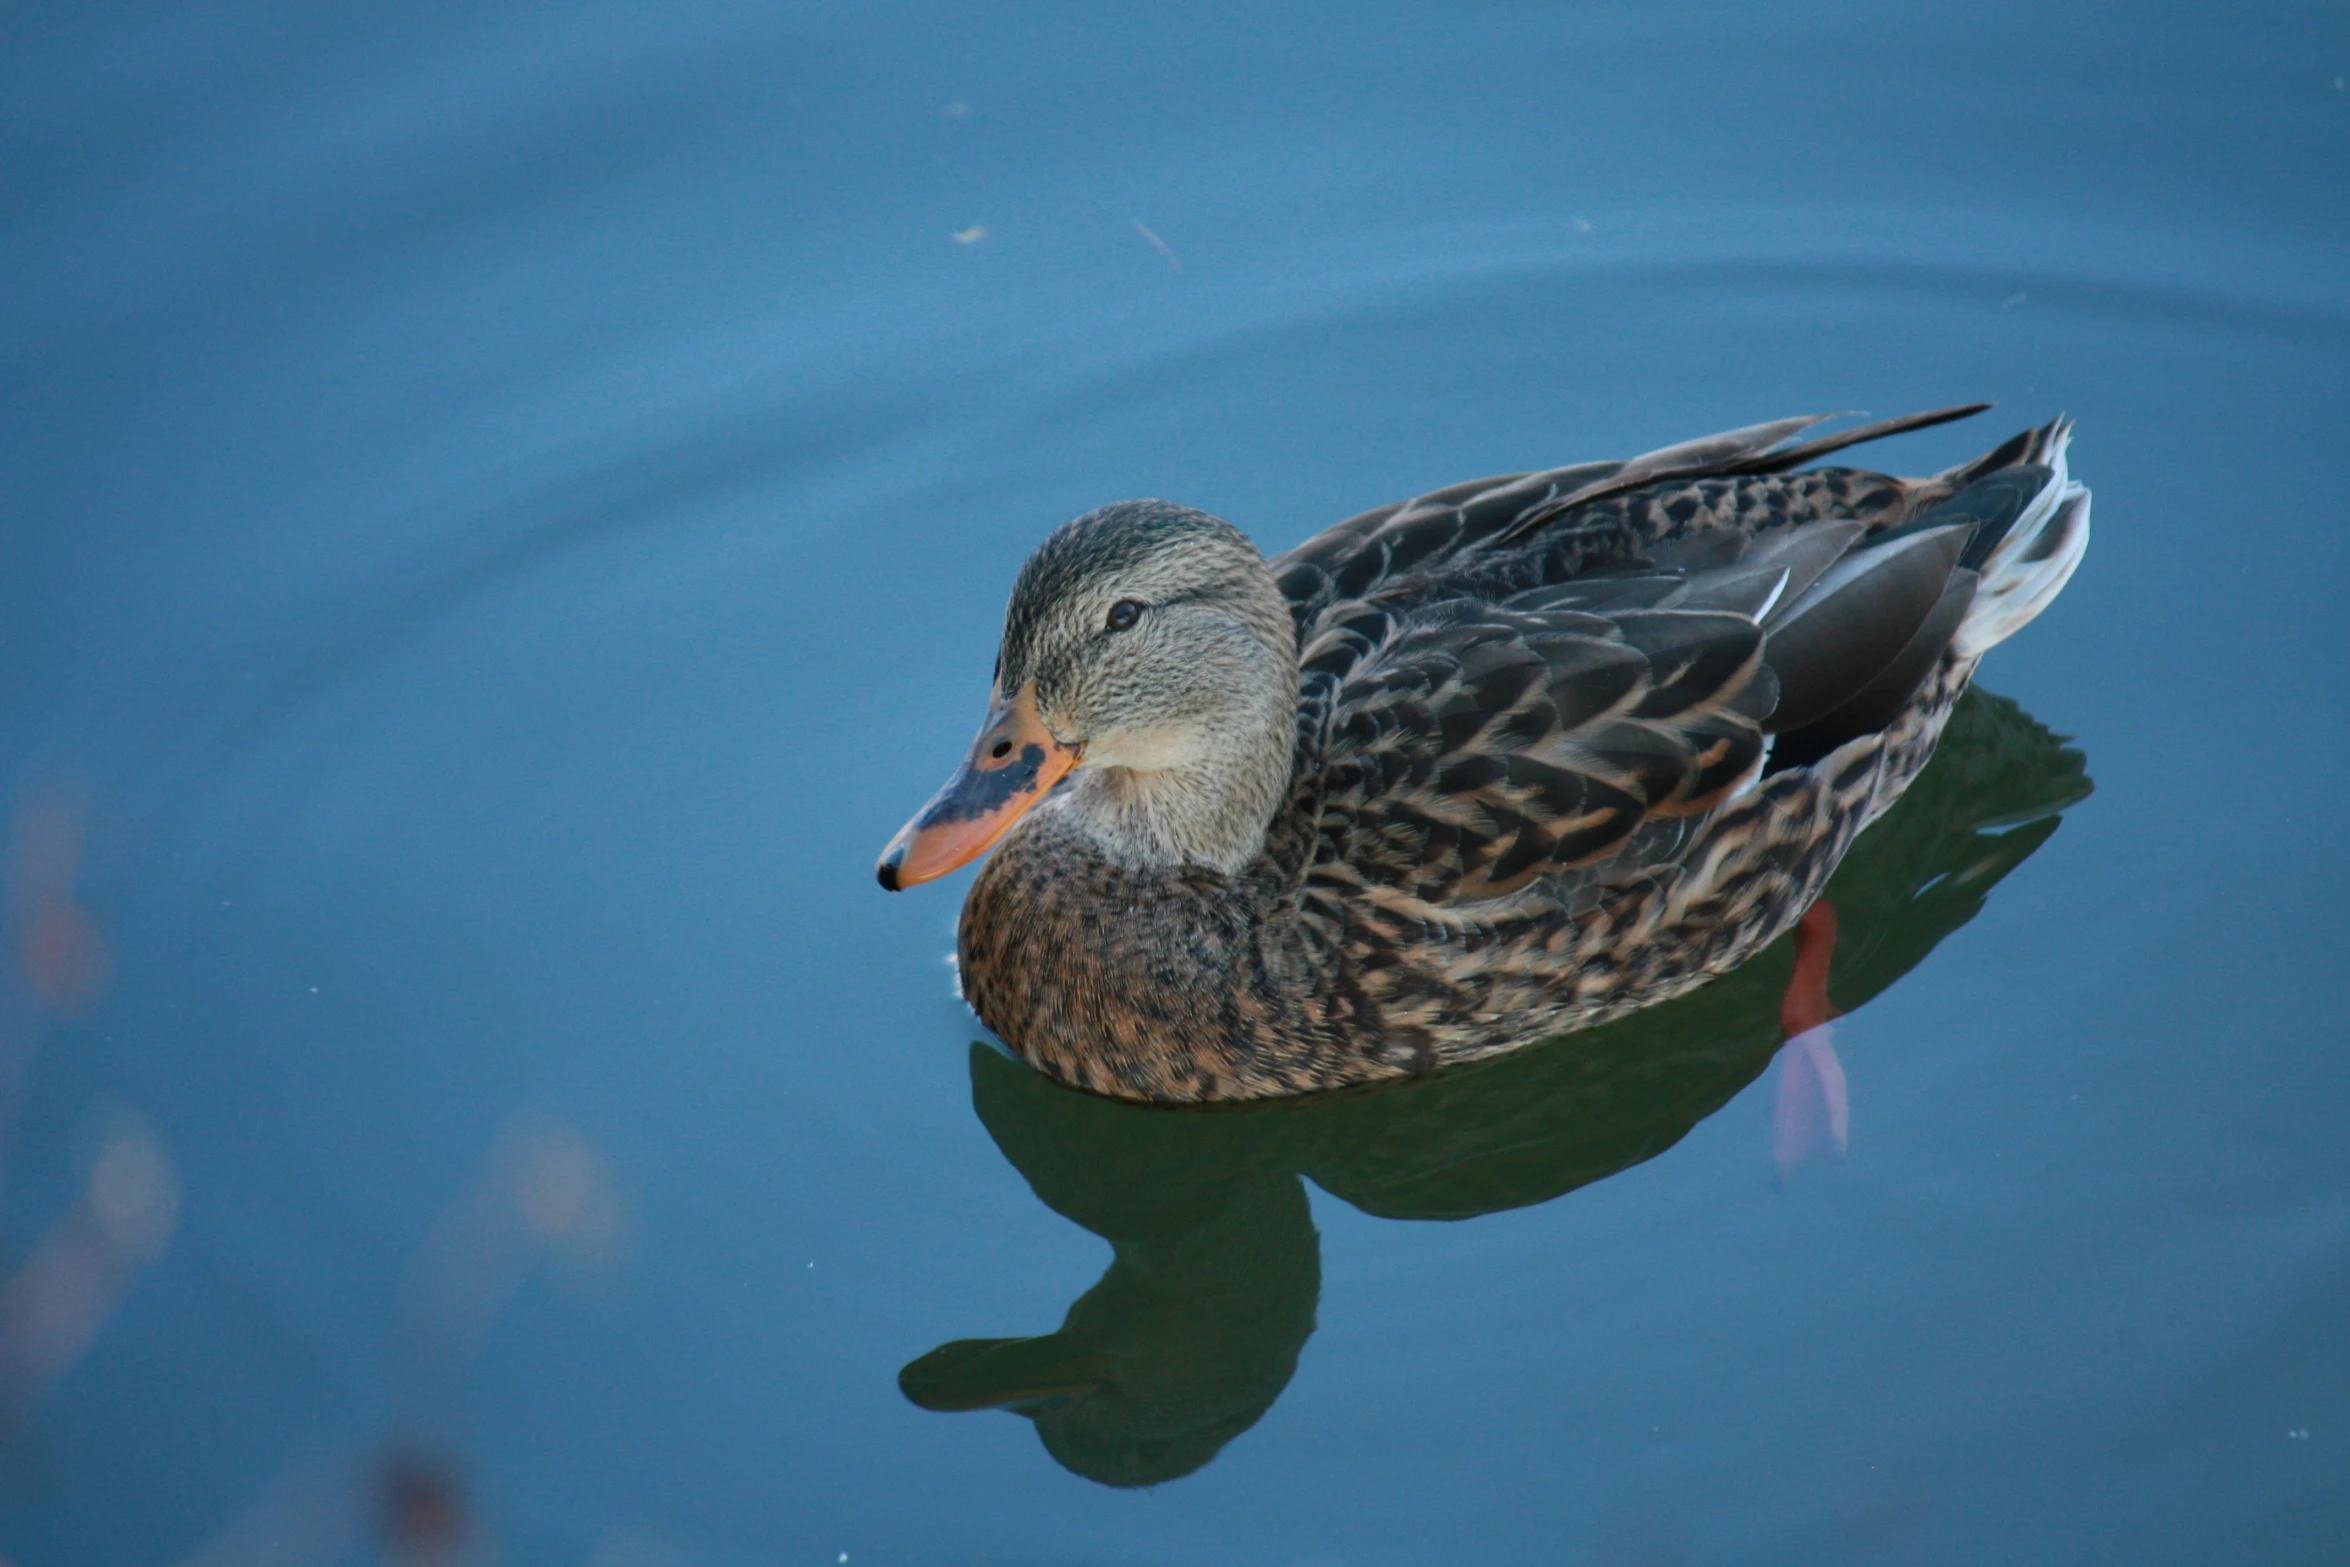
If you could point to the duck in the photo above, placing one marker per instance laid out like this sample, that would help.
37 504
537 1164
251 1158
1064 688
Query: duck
1494 764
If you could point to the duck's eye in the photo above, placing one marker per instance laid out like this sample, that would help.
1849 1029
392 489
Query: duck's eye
1124 614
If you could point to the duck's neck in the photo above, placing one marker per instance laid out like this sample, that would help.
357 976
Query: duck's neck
1209 805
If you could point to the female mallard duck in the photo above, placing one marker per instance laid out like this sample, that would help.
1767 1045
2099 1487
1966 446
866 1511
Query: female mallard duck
1512 758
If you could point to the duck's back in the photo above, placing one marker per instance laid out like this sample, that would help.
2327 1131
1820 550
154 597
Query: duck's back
1535 666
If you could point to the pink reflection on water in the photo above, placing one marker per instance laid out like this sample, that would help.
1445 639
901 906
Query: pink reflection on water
54 1305
541 1195
52 1308
1811 1117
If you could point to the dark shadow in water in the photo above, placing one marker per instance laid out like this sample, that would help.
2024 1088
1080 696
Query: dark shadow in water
1196 1327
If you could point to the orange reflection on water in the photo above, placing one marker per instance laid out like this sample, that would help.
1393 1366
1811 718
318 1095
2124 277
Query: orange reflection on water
59 947
1811 1110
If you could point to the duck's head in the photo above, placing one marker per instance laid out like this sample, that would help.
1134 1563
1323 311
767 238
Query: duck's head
1147 645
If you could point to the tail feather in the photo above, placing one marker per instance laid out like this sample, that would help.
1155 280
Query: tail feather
1786 457
1983 555
2031 564
2043 444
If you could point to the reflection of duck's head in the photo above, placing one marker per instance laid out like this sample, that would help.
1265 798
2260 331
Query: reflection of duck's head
1197 1325
1195 1328
1187 1339
1147 644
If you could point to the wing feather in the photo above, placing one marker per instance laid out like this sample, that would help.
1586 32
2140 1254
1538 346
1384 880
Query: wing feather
1539 683
1476 749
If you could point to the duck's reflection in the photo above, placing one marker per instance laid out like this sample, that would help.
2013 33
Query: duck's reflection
1196 1327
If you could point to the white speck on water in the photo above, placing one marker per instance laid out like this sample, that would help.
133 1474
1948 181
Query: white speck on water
2297 1434
2013 300
970 236
1157 244
1582 225
844 1556
314 990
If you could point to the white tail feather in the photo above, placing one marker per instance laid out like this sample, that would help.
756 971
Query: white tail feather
2033 563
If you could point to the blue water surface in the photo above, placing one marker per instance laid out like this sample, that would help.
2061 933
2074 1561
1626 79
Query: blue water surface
504 509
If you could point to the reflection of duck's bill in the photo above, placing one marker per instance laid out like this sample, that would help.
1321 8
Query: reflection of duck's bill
1003 1373
1013 764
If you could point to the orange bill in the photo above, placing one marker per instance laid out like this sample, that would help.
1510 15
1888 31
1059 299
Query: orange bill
1013 764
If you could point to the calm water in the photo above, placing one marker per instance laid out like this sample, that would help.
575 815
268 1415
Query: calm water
506 508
